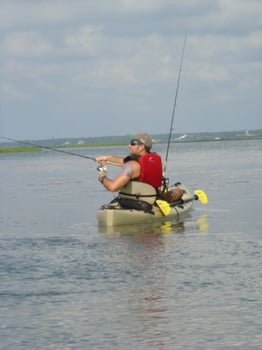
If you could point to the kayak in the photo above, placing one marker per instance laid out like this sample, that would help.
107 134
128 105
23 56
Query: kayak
138 203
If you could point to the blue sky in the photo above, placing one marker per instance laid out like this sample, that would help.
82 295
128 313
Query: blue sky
110 67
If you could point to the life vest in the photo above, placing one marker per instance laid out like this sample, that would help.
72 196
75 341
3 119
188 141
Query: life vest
151 169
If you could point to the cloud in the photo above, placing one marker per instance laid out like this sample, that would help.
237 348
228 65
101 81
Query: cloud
25 44
26 13
86 39
211 73
121 60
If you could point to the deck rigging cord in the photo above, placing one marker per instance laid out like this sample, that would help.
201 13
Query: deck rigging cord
175 102
48 148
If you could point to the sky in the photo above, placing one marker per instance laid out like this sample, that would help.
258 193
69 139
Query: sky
84 68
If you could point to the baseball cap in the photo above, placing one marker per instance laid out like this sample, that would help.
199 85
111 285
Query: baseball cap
144 138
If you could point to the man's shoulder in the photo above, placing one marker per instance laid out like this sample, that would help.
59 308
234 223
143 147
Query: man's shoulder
131 157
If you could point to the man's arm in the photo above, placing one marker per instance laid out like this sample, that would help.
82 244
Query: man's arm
110 159
129 171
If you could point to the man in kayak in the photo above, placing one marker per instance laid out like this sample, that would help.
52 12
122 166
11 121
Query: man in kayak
141 164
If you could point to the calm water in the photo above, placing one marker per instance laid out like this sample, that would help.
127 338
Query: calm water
68 284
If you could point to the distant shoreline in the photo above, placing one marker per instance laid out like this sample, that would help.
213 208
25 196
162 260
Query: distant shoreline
15 149
10 149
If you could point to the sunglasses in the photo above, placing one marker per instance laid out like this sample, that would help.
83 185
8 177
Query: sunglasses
134 142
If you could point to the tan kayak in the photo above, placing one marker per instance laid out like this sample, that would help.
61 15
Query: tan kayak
138 203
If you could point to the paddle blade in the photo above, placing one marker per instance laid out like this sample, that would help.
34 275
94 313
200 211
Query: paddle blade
163 206
201 196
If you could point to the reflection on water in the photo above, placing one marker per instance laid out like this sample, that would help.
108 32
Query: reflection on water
139 259
202 223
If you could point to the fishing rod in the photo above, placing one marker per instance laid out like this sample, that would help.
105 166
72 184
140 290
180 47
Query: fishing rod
174 107
48 148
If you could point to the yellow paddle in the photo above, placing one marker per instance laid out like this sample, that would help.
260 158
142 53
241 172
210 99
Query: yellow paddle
201 196
165 207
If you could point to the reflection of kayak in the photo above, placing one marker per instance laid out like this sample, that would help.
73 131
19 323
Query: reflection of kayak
138 203
148 229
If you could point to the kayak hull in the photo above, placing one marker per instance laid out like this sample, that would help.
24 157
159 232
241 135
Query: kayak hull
113 215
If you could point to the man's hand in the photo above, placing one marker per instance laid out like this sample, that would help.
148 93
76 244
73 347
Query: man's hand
102 159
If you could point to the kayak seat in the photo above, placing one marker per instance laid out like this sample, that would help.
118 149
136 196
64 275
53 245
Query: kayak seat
140 191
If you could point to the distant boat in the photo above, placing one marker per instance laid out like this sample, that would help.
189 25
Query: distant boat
181 137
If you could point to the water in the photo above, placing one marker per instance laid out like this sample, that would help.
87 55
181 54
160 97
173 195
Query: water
192 284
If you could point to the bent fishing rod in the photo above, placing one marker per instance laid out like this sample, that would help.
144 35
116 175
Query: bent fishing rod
48 148
174 107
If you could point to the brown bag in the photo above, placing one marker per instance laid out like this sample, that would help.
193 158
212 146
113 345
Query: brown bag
173 195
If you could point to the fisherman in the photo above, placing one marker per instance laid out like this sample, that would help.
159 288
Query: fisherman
141 165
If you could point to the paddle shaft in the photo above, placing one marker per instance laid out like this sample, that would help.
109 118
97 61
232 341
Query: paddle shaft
184 201
49 148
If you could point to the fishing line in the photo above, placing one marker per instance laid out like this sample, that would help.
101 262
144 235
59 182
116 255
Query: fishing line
174 107
48 148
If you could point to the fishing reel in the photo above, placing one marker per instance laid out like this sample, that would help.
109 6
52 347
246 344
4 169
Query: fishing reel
101 169
165 183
